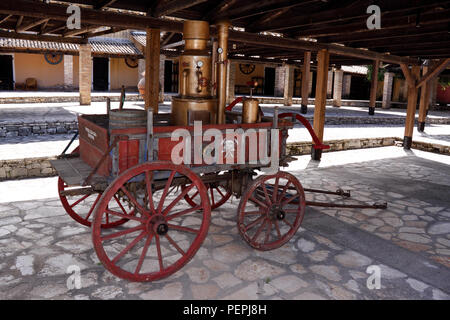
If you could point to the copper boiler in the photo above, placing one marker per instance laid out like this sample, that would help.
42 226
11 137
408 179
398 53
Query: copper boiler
195 101
250 111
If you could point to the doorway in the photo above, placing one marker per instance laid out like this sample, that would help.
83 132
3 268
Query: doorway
269 81
360 89
101 74
6 72
170 76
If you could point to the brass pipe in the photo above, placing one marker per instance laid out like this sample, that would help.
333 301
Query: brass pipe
199 81
223 31
184 86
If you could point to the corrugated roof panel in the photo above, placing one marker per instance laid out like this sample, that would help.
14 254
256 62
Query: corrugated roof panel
108 46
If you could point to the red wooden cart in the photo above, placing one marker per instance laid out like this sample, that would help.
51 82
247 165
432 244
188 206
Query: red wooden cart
148 215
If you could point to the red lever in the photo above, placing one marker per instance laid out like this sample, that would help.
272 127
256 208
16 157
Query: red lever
302 119
235 102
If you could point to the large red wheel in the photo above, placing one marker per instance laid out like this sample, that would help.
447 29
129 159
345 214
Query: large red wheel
218 195
164 233
271 211
81 207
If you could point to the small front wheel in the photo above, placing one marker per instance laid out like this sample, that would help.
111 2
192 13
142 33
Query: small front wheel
271 211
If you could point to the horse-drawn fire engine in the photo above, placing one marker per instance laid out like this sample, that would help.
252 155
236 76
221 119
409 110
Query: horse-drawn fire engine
150 214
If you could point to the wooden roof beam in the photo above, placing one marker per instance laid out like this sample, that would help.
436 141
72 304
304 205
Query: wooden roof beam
166 7
102 33
278 42
408 75
374 35
52 30
90 16
437 69
173 45
413 52
31 25
218 9
77 32
129 21
35 37
343 15
167 39
395 23
5 18
104 3
255 8
407 42
19 22
44 26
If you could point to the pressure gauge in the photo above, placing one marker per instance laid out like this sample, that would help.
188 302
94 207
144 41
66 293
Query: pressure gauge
199 64
219 50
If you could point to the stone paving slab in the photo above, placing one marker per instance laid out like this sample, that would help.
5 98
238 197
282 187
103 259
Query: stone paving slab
35 146
38 241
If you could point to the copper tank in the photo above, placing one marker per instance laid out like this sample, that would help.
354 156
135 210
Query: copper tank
195 101
250 111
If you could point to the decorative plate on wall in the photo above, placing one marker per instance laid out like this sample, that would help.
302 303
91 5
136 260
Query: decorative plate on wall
246 68
133 63
53 58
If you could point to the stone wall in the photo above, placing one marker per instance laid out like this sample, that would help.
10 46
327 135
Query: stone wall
68 72
303 148
63 127
40 167
85 74
26 168
280 74
288 91
63 99
37 128
430 147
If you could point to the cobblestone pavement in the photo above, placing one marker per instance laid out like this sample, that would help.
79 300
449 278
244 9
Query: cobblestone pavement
326 259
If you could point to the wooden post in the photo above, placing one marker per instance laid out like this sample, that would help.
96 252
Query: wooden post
215 46
152 52
374 87
122 98
412 106
424 102
323 61
306 78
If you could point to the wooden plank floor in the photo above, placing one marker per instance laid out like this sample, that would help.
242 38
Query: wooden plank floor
74 171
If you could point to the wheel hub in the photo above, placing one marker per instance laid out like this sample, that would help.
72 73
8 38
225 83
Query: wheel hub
276 212
162 229
157 225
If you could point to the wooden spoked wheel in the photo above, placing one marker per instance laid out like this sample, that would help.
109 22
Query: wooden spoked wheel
271 211
81 207
163 234
218 195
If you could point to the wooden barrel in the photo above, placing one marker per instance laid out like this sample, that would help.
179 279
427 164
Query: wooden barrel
127 118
